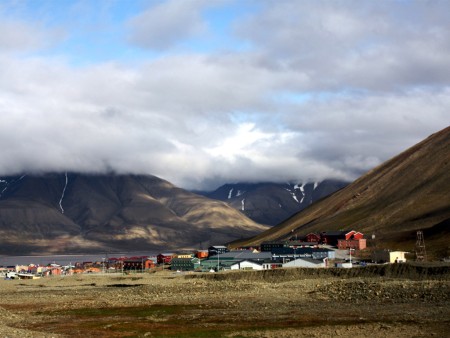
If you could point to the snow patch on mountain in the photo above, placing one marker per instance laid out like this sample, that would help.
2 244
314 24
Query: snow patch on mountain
62 196
240 192
300 187
230 193
243 205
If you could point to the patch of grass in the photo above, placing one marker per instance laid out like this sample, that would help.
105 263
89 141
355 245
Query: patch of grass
178 321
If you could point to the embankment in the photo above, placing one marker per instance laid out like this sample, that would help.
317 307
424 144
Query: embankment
401 271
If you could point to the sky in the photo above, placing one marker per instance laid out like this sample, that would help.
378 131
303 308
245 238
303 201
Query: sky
207 92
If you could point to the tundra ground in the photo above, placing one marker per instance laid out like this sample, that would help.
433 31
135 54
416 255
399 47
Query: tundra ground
281 303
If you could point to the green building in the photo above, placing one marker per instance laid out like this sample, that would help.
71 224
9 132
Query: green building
185 264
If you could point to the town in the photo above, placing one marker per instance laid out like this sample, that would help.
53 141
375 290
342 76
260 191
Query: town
343 249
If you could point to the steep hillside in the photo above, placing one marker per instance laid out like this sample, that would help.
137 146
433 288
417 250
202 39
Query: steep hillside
61 213
407 193
271 203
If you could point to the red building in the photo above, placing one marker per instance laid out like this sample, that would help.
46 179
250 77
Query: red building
357 244
333 237
312 238
353 235
165 258
138 264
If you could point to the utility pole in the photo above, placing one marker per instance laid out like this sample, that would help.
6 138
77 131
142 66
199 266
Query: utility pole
218 260
421 254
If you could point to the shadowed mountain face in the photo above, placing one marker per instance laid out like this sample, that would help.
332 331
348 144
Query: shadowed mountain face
407 193
62 213
272 203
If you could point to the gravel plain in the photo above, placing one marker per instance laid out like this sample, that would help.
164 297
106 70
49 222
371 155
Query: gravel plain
283 303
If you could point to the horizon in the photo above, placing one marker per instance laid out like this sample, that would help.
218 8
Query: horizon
203 93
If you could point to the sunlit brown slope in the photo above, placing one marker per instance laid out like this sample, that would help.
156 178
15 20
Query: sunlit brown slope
407 193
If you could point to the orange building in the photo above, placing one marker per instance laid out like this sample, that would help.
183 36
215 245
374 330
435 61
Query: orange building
202 254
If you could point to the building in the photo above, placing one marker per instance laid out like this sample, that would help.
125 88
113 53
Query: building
269 246
332 237
185 255
301 244
165 258
312 237
217 250
288 254
356 244
201 254
185 264
249 265
307 263
138 264
387 256
226 260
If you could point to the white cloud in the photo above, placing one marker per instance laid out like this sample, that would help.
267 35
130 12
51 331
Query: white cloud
330 90
17 36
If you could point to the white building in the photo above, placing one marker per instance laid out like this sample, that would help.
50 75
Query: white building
307 263
247 265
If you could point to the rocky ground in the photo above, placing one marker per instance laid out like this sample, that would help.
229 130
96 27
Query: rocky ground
282 303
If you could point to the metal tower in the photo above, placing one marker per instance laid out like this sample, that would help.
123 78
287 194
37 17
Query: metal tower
421 254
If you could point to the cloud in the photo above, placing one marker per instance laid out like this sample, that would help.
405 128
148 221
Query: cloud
329 91
17 36
167 23
354 45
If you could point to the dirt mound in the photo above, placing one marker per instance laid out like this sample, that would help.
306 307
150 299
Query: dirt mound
405 271
400 291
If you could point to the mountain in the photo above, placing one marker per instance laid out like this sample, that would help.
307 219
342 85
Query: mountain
410 192
70 213
271 203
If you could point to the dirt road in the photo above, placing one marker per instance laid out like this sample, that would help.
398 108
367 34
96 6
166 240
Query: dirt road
285 303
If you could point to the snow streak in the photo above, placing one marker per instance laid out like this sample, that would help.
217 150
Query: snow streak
9 183
62 196
6 186
230 193
243 205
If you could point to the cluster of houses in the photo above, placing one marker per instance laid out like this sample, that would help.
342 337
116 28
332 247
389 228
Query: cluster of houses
308 251
314 250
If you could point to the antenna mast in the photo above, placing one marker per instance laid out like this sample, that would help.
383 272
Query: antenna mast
421 254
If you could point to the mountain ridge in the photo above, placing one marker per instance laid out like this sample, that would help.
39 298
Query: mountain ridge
405 194
70 212
270 202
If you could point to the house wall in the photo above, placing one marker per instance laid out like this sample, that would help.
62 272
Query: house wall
166 259
312 237
397 257
202 254
358 244
389 256
246 265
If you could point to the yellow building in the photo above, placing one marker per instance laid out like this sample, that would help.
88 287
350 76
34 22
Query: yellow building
387 256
